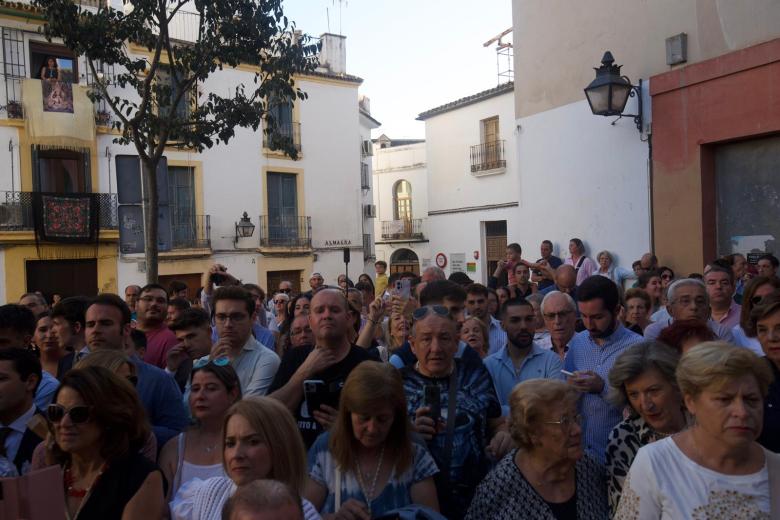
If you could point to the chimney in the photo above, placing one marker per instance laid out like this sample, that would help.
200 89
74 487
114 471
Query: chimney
333 55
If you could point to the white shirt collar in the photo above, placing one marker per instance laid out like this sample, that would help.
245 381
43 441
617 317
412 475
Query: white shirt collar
20 424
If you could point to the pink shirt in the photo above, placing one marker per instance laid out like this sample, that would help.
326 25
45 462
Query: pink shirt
731 318
587 268
158 343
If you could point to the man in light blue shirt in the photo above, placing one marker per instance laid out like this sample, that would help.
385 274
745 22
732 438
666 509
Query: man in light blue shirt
520 358
591 355
477 306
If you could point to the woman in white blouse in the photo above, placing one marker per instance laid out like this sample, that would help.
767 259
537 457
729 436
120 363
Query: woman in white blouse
715 469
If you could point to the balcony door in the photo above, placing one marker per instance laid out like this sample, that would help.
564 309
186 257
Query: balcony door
181 194
282 208
490 139
60 171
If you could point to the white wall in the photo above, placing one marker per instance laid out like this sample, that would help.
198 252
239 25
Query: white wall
582 177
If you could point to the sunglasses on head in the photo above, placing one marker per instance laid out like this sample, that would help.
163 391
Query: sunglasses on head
78 414
439 310
220 362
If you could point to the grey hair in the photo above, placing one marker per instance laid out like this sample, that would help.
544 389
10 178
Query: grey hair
637 360
609 255
283 296
437 270
671 291
261 495
569 300
536 298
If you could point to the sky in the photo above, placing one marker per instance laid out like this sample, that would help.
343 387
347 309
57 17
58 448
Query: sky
413 55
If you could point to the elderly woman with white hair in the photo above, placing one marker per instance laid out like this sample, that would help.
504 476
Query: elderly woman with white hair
715 468
608 269
549 476
643 380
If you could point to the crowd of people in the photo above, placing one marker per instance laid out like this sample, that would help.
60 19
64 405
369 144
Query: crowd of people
561 389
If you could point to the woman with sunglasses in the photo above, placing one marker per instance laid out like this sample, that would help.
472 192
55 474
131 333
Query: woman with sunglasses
755 290
548 476
280 302
261 441
99 427
214 388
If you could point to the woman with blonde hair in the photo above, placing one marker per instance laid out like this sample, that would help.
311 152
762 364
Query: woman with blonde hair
367 464
475 333
715 468
261 441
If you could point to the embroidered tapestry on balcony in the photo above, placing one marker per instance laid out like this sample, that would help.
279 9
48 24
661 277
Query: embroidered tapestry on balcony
61 117
66 217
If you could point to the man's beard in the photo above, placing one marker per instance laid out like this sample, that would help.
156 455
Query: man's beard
605 333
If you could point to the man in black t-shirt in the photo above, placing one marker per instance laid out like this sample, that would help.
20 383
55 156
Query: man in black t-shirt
330 360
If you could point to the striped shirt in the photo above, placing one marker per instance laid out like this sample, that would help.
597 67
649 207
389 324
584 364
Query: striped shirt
599 415
497 336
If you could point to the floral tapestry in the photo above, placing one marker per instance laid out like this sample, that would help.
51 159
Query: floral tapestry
61 217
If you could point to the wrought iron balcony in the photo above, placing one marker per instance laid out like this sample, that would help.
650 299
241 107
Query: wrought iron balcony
285 231
405 229
487 156
190 231
16 211
283 132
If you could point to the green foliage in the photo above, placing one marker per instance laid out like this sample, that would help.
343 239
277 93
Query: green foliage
145 90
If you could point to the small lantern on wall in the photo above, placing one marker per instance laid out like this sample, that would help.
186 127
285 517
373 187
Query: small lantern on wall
608 93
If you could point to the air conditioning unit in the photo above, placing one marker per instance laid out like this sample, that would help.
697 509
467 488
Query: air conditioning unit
10 216
366 148
369 210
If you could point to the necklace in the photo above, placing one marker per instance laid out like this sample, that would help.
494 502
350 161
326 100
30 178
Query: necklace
369 495
209 449
75 492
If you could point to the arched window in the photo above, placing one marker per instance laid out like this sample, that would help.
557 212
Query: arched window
402 200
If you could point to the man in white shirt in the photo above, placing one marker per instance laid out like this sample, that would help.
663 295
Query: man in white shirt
234 314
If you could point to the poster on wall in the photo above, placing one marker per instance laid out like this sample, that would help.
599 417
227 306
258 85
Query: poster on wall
457 262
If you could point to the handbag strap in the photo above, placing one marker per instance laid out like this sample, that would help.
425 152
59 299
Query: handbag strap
450 432
773 468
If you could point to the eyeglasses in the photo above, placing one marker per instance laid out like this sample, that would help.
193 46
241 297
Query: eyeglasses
566 421
279 302
554 315
701 301
666 276
220 362
755 300
78 414
439 310
285 291
235 317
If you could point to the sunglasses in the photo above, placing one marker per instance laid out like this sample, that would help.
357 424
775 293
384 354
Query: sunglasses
285 291
439 310
219 362
755 300
279 302
79 414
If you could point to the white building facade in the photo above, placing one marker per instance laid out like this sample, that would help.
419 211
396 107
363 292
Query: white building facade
305 211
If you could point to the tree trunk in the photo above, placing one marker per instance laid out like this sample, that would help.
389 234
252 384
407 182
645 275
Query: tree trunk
150 210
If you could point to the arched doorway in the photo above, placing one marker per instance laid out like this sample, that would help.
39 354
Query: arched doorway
404 260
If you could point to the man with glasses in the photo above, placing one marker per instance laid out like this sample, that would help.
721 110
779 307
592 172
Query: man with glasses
107 327
234 317
591 355
325 365
455 409
688 300
152 309
560 317
286 287
20 373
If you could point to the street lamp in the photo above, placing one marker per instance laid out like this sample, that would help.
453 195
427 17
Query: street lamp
244 228
608 93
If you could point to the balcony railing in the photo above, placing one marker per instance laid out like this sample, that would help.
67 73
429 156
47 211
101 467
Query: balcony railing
487 156
285 231
283 131
16 211
368 250
406 229
190 232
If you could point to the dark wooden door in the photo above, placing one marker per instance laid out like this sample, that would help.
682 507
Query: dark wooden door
273 278
63 277
191 279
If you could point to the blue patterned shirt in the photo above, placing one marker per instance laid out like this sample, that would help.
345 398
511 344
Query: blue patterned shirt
585 354
496 335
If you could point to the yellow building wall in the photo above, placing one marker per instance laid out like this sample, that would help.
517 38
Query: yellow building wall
297 263
17 255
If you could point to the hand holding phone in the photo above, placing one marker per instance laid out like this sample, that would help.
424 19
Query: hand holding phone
432 400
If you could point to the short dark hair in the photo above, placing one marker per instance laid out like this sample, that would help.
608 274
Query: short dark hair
113 300
138 338
717 268
636 263
477 288
381 262
254 287
772 259
17 318
599 287
25 363
364 286
191 318
514 302
460 278
233 292
437 291
514 246
73 309
179 303
548 242
152 286
176 286
645 278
